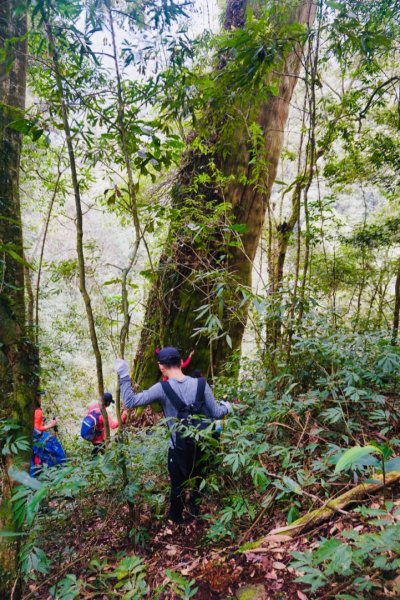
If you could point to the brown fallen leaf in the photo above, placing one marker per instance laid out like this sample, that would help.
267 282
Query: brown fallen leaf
301 595
171 550
186 569
271 575
278 566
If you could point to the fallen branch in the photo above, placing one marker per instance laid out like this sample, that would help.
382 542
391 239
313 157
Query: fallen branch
323 513
277 424
312 496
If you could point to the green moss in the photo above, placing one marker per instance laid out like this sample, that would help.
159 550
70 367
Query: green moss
251 545
251 592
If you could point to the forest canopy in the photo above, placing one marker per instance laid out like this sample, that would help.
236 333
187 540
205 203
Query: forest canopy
216 183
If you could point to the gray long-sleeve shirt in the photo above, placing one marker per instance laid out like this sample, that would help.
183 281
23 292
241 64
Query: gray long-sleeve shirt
186 389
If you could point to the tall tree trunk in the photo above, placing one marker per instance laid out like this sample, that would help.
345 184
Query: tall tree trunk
217 271
64 109
18 357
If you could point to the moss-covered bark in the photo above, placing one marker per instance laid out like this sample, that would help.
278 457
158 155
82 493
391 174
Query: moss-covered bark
18 357
214 267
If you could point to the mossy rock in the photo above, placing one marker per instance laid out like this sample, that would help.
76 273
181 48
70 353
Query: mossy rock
252 592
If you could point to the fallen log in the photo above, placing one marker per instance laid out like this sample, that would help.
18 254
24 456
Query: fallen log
323 513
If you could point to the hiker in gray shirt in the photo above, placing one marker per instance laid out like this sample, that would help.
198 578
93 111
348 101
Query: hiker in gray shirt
179 395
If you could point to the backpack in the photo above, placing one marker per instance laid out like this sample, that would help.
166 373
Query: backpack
90 425
46 450
189 416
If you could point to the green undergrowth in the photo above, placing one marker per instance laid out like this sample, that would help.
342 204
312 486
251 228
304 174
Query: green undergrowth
358 564
276 456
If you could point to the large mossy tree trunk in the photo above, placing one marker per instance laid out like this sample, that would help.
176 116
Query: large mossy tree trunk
18 357
218 208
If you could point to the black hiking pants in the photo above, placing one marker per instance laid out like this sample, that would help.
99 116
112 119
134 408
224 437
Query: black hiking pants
184 465
98 449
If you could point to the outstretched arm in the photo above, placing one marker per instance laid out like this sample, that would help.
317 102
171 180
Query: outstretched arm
129 398
186 362
113 424
217 410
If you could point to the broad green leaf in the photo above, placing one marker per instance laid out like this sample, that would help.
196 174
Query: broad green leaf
352 456
393 465
292 515
327 549
25 479
292 485
34 503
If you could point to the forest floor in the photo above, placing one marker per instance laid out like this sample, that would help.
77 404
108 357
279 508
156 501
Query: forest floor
90 536
218 572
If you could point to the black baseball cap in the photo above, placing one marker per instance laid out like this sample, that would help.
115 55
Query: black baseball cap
167 354
108 399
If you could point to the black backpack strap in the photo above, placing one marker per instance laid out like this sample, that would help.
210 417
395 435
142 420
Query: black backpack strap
173 396
201 387
176 402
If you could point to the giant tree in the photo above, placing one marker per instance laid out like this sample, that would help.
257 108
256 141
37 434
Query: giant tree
220 197
18 358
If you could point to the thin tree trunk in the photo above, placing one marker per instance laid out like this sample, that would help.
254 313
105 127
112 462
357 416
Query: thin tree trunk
124 333
123 142
364 275
382 299
359 298
280 237
39 271
312 158
18 357
193 275
396 312
79 217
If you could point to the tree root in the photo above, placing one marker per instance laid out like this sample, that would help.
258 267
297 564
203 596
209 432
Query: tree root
323 513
